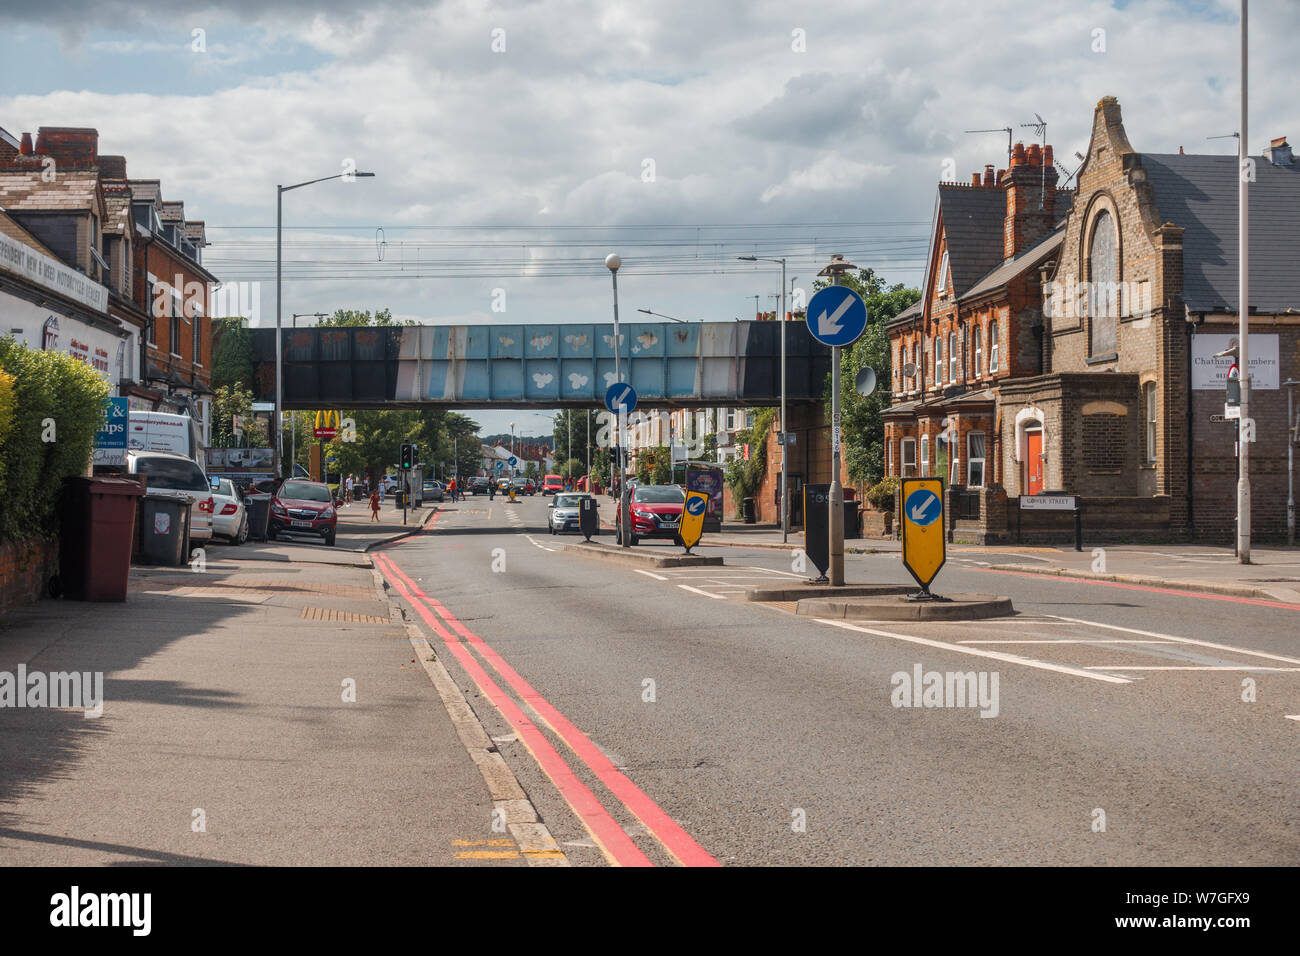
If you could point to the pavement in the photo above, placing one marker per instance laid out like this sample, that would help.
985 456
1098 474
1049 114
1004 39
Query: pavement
268 707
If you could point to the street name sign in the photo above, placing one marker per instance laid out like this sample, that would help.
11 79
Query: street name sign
836 316
924 545
697 502
620 393
1048 502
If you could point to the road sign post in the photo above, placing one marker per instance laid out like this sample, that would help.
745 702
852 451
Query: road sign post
620 398
924 539
836 316
692 526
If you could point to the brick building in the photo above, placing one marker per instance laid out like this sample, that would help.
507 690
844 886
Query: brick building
1110 390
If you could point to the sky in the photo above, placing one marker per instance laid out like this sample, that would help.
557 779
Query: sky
514 145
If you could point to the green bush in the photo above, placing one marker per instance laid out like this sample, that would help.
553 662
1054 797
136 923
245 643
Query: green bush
57 409
883 494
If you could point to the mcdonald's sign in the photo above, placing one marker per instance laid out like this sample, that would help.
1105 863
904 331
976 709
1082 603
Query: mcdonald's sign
327 424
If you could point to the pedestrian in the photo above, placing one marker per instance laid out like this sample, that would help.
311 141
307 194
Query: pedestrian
374 505
451 486
347 489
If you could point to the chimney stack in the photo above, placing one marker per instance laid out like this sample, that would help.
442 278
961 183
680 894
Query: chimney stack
1279 152
26 148
112 167
974 179
1031 199
988 175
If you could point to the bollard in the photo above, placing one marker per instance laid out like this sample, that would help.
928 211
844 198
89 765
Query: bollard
1078 529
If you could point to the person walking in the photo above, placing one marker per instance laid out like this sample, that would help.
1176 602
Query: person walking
348 489
374 506
451 486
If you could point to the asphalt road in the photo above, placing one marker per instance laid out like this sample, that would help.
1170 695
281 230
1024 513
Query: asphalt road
1118 733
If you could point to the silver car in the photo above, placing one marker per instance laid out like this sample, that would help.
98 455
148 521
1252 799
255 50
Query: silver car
562 513
176 476
229 516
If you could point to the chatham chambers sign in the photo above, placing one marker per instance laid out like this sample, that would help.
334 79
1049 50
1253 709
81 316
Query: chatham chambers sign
1210 373
52 274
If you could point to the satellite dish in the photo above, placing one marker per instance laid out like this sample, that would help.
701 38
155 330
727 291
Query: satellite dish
908 369
866 381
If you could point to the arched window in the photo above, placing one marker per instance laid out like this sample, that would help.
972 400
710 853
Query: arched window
1103 289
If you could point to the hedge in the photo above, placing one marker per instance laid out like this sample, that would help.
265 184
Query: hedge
56 409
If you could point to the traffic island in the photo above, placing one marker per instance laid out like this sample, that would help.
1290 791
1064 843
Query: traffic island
641 559
798 592
951 607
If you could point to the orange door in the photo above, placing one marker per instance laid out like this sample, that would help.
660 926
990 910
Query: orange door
1033 462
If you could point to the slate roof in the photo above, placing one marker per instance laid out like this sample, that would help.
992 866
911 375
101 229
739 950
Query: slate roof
72 190
16 232
146 190
973 218
1199 193
1036 254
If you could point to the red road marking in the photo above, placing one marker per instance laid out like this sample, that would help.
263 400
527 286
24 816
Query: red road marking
1178 592
603 828
680 844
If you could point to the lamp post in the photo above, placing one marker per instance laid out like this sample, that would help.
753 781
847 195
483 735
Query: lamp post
1243 316
512 446
662 316
613 263
279 344
785 434
837 267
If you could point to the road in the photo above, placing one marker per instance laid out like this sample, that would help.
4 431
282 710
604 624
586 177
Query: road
660 718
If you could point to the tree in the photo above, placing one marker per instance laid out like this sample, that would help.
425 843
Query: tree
743 476
862 422
565 446
232 354
229 401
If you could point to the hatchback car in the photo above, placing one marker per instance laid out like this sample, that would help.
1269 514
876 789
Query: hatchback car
480 485
229 516
175 476
562 513
303 507
431 490
656 511
552 484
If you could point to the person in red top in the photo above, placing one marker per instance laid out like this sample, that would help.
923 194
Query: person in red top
374 505
451 487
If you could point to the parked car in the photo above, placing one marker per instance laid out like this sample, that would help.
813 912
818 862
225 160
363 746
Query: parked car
266 486
552 484
656 511
480 484
530 487
176 476
562 512
229 516
391 484
303 507
431 490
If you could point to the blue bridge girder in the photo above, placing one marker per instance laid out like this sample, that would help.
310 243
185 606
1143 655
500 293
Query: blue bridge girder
671 365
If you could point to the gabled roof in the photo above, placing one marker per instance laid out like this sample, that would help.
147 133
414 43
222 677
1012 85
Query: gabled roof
1035 255
973 221
1199 193
146 190
71 190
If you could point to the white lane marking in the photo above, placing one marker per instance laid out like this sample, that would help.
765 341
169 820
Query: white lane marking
1068 640
651 574
540 545
1292 716
775 571
977 652
1187 667
1179 640
687 587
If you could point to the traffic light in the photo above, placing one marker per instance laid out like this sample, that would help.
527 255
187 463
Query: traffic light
408 455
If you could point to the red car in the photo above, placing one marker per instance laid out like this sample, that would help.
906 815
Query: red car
303 507
656 511
553 484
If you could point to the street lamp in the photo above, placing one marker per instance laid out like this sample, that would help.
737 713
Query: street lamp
279 345
785 434
512 445
837 267
662 316
613 263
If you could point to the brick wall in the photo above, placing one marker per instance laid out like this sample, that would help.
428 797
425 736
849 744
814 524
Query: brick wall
25 569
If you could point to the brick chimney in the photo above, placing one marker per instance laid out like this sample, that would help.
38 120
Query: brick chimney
1279 152
70 146
26 148
988 175
112 167
1030 186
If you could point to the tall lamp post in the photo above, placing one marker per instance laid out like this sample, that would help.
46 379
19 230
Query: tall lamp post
837 267
1243 315
512 447
279 343
785 434
613 263
662 316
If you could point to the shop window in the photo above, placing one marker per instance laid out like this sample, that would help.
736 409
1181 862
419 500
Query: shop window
975 459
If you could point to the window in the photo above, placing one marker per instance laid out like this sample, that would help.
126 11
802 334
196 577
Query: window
198 339
993 346
941 284
174 343
1149 405
975 459
897 372
938 360
909 454
889 456
978 336
952 356
925 455
1103 278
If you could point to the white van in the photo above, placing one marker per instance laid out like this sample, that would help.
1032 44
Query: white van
164 431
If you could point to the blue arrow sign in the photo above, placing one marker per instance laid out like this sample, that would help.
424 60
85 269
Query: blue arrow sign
695 506
512 461
923 507
836 316
499 466
620 393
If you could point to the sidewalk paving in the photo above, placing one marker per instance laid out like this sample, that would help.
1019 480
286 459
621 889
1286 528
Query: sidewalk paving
223 700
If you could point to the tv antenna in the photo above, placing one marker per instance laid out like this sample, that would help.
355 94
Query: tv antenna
1001 129
1063 168
1040 130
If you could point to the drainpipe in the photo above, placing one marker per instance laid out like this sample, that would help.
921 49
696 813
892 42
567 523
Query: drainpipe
1191 423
